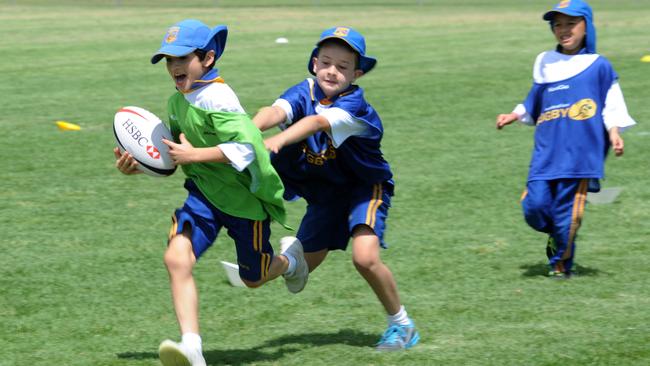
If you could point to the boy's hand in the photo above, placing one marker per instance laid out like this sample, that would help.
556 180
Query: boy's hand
125 163
506 119
275 143
183 153
616 140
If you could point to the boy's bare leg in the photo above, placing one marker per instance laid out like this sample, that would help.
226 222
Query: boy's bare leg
401 333
180 260
365 256
278 266
315 259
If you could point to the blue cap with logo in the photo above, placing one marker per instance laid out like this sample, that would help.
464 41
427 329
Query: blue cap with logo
189 35
353 38
576 8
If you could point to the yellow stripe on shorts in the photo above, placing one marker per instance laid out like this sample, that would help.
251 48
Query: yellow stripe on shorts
576 215
173 229
257 236
375 202
265 265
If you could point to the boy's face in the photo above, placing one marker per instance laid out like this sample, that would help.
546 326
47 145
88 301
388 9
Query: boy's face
185 70
335 69
569 32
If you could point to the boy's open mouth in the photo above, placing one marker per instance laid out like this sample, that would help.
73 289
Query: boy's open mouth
180 80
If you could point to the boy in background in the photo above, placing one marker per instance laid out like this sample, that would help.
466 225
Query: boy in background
230 182
578 111
329 154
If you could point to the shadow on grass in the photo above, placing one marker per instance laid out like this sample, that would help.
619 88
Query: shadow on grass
225 357
288 344
541 269
344 336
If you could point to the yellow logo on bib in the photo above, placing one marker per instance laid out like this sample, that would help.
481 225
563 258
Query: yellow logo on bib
583 109
579 111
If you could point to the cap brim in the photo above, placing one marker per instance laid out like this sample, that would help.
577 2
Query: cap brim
342 39
176 51
219 34
310 63
550 14
366 63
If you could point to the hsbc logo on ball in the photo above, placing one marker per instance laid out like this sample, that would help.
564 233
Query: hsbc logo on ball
135 133
153 152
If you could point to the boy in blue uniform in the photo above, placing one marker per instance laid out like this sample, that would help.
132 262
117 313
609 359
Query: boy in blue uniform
578 109
329 154
230 182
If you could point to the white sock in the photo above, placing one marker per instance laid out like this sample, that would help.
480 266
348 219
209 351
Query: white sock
401 318
292 264
192 341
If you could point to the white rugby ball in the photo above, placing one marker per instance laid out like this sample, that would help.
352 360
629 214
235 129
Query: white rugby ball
140 132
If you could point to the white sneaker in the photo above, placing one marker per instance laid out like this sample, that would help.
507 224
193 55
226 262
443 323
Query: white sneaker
298 279
177 354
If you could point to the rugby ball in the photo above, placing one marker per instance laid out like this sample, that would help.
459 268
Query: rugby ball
140 132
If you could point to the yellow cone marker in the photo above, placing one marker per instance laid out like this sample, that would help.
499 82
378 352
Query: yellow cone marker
67 126
645 58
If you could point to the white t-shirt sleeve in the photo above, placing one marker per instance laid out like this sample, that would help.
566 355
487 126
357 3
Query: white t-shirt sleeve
240 155
524 116
216 97
342 125
615 111
286 107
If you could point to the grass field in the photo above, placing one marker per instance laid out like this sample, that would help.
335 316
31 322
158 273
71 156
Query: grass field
81 274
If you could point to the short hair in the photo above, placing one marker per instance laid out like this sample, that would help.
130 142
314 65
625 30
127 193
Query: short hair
344 44
201 54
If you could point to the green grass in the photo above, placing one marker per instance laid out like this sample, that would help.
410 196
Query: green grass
81 274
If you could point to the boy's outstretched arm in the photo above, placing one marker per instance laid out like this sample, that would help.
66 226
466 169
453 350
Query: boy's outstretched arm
616 140
268 117
506 119
297 132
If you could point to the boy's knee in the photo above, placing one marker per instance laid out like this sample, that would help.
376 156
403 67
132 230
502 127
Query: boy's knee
364 263
179 253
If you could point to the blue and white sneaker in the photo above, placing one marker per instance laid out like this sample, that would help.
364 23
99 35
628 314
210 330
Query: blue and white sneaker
398 337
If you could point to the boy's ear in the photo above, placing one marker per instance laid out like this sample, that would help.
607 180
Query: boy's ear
358 73
209 58
313 64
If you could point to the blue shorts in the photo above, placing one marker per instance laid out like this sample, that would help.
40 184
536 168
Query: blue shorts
329 225
556 207
254 251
